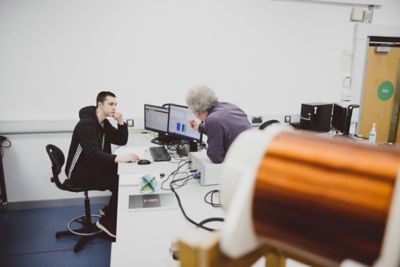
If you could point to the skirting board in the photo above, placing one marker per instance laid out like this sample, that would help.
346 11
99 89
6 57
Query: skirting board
54 203
23 127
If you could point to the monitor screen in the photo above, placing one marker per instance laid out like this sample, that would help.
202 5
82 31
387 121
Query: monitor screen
155 118
178 123
339 118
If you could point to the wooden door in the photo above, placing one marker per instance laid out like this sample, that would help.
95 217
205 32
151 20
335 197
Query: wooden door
379 93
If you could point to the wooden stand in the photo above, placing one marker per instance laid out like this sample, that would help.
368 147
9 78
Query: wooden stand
206 253
201 249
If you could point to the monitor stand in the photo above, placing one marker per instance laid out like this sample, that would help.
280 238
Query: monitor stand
162 139
157 141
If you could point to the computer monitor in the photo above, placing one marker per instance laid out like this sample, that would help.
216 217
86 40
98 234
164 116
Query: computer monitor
156 120
178 123
339 118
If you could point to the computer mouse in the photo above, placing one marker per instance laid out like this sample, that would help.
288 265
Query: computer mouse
143 161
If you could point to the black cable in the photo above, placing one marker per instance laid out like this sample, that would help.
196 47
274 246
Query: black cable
212 219
174 172
185 179
201 224
179 158
175 148
171 149
211 202
183 211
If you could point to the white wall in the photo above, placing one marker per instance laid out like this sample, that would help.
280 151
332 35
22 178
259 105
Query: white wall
266 56
28 168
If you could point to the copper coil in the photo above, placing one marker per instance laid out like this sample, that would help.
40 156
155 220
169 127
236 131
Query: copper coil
324 196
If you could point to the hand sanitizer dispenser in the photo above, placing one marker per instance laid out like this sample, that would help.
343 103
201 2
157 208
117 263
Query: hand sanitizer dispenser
372 134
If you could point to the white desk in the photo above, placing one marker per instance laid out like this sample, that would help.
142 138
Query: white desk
144 235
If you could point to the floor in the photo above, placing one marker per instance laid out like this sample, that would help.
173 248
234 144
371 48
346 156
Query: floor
27 238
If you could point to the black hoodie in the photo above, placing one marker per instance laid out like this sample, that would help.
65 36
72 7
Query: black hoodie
89 155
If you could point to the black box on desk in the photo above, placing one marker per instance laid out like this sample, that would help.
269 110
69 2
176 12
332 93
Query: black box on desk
316 117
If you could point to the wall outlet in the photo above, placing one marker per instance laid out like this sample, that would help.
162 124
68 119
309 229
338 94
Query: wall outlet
288 118
130 122
256 119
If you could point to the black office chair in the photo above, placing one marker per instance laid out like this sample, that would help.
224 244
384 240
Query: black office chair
267 123
88 228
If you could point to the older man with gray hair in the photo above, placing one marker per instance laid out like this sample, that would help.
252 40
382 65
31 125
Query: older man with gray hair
222 122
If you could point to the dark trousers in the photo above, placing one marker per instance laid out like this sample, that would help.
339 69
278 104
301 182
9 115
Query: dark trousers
113 203
101 179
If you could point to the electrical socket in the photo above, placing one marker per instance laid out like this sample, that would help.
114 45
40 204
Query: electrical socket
130 122
256 119
288 118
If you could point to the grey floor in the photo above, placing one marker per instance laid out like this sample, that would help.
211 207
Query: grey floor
27 238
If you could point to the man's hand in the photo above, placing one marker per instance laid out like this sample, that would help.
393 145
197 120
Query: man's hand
127 158
194 124
118 117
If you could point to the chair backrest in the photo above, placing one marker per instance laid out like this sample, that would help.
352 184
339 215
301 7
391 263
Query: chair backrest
57 161
267 123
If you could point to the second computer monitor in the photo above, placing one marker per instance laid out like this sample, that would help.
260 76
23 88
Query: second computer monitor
179 123
339 117
155 118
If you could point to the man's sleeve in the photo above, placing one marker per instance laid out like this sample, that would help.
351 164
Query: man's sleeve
89 141
117 136
215 139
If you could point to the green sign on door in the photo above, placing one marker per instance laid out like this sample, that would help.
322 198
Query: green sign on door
385 90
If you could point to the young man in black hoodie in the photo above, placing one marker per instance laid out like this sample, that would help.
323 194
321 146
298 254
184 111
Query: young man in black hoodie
90 162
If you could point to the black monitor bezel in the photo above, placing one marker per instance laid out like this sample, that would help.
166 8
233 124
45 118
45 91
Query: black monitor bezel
179 136
152 129
340 126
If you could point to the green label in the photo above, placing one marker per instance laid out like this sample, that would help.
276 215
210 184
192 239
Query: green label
385 90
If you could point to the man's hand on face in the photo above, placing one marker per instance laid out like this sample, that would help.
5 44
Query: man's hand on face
118 117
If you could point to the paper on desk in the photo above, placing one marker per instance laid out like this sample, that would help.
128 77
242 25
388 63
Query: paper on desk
142 152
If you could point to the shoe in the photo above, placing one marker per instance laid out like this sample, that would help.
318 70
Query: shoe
106 226
174 250
103 211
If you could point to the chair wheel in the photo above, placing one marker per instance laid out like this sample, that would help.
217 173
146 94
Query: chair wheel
57 235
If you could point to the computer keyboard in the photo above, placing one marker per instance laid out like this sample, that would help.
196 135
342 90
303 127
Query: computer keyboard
159 153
